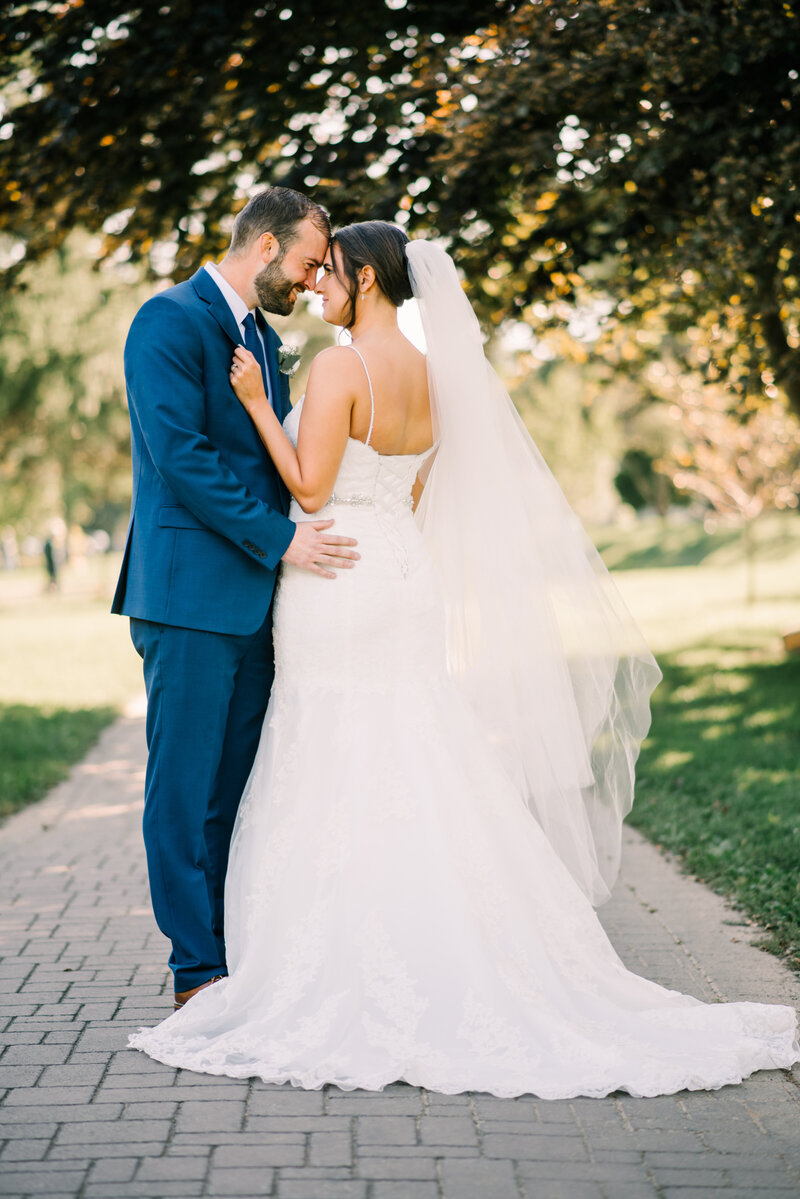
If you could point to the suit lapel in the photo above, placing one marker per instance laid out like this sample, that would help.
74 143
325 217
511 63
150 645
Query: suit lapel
218 306
207 290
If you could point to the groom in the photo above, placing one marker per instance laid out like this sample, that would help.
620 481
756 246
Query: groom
207 532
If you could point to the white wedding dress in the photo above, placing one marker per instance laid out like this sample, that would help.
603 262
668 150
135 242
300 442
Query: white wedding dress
393 909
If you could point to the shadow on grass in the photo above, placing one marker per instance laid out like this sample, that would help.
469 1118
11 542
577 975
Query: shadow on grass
719 779
39 745
661 546
668 546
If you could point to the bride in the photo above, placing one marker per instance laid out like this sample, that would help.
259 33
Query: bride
448 751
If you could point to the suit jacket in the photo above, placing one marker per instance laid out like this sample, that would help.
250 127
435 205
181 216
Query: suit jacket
208 522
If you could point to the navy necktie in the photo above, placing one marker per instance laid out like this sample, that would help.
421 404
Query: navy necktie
252 342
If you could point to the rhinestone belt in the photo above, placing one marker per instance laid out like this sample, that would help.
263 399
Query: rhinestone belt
363 501
356 501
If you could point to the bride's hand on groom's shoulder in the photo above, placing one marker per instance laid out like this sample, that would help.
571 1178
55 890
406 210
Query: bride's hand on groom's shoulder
247 380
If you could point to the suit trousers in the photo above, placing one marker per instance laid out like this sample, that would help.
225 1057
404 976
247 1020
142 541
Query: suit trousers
207 694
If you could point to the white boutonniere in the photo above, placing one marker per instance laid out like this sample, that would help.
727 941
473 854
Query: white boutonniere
288 359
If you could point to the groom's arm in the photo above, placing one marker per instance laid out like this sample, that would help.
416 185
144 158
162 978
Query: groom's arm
163 370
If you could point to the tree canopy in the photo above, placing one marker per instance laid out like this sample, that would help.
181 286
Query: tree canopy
163 114
651 151
638 160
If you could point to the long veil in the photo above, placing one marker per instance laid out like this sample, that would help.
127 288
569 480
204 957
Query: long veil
537 635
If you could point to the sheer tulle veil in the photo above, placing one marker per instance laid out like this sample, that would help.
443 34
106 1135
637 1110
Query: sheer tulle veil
537 635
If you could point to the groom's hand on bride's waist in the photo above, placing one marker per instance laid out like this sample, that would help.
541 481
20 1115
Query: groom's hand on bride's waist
323 553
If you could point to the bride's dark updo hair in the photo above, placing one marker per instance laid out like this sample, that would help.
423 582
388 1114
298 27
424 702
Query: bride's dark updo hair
379 245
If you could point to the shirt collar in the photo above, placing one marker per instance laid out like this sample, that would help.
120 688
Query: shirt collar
235 301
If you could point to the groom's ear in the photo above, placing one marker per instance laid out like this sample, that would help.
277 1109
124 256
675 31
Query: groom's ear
269 247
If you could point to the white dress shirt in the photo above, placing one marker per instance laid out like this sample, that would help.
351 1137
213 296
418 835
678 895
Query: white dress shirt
240 311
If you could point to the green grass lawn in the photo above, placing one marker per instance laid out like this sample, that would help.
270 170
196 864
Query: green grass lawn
719 775
66 669
39 744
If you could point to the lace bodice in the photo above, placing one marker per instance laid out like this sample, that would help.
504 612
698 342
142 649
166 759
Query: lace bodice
365 477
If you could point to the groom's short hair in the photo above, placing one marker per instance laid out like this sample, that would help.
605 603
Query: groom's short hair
279 211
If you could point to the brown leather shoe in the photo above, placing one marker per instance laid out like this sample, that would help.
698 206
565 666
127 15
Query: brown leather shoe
182 997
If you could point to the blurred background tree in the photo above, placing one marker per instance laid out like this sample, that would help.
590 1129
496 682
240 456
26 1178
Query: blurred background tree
64 435
644 155
152 122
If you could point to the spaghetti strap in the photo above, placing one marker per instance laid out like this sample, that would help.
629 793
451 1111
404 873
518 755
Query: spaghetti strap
371 395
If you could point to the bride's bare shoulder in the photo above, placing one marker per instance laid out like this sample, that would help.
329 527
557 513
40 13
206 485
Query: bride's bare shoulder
335 368
335 360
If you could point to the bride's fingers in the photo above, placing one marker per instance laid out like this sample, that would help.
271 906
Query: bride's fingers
242 359
242 371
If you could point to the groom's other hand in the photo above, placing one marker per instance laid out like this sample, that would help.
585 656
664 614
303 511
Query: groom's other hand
322 553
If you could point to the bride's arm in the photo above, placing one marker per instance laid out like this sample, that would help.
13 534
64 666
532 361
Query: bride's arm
421 479
310 470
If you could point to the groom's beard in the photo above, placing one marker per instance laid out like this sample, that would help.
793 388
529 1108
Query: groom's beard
274 290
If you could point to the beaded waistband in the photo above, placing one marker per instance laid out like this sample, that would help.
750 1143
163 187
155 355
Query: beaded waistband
363 501
356 501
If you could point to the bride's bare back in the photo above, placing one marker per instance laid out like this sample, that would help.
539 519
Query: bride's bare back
399 375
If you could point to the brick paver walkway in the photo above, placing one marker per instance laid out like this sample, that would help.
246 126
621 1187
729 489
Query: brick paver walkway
84 1117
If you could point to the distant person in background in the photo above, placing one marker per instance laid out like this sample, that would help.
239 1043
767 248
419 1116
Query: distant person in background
50 565
9 549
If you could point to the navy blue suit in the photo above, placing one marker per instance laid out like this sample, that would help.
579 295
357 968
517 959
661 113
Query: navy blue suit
207 531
